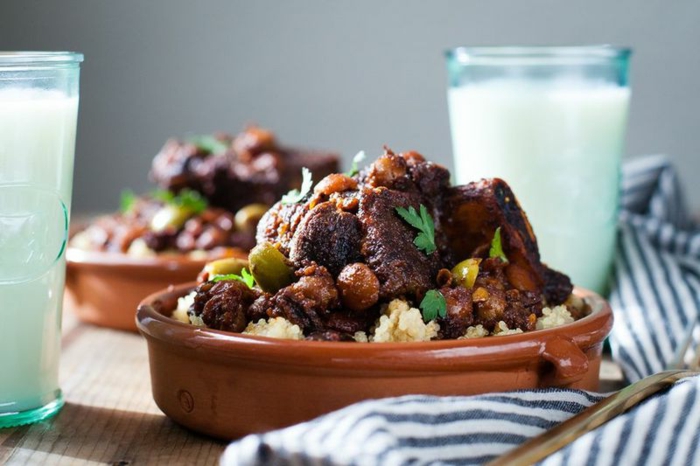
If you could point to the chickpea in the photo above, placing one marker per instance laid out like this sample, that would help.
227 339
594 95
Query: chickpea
335 183
359 287
386 170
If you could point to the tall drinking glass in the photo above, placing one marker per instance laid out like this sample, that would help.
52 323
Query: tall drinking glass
551 122
38 115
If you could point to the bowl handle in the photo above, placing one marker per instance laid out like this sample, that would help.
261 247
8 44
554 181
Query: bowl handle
570 363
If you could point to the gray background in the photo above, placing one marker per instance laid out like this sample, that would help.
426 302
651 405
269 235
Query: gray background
345 75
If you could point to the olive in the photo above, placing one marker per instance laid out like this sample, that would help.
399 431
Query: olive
170 216
225 266
466 271
269 268
247 217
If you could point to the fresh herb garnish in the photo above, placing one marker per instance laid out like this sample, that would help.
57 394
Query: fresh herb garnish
433 305
358 159
295 195
496 249
245 277
185 199
127 201
208 143
423 223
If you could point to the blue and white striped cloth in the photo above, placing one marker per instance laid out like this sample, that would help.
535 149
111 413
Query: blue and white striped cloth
655 294
656 285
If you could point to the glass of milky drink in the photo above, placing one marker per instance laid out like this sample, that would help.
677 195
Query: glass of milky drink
551 122
38 113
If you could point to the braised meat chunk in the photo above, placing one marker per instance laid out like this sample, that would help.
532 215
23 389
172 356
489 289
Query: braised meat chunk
459 315
279 224
388 246
327 236
222 305
308 301
471 215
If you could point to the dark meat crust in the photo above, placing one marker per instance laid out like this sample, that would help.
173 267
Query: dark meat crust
471 215
557 288
222 305
388 249
474 211
327 236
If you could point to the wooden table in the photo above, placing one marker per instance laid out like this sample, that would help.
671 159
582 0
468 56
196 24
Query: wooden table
110 416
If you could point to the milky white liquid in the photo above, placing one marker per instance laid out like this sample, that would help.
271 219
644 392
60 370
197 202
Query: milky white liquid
37 139
559 147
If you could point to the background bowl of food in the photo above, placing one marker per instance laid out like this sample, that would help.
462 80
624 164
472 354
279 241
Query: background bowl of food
383 283
212 191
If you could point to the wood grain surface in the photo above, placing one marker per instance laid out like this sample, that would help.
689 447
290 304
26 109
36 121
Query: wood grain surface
110 416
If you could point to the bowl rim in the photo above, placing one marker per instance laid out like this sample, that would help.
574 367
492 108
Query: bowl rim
485 353
76 257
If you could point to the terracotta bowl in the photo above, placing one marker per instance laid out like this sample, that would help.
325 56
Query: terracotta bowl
105 288
228 385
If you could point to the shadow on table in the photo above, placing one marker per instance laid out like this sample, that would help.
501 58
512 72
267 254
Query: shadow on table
110 436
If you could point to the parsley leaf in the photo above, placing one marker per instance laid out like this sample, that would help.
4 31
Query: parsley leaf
496 249
127 201
208 143
245 277
186 199
163 195
359 158
422 222
191 200
295 196
433 305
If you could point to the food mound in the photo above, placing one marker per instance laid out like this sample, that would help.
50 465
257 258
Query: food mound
214 189
230 173
392 253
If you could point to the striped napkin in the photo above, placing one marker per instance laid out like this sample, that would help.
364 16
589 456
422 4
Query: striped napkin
656 285
655 294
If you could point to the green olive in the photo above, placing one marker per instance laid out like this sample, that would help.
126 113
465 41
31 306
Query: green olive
170 216
229 265
247 217
269 268
466 271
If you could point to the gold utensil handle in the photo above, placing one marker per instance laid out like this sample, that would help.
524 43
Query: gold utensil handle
538 448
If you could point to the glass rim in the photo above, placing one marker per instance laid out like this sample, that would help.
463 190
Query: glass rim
493 54
38 58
